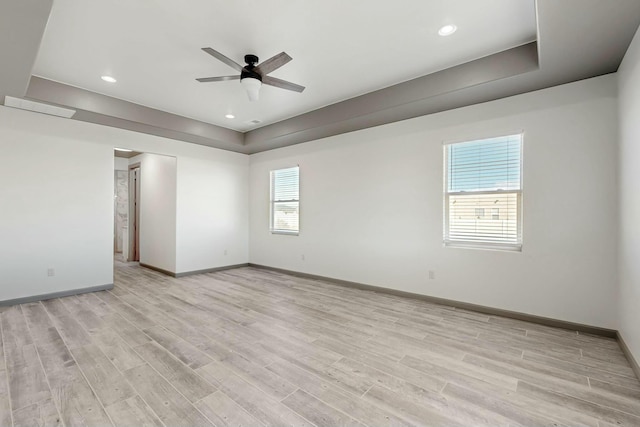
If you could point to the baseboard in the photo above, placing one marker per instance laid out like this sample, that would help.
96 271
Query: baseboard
594 330
632 360
191 273
53 295
210 270
158 269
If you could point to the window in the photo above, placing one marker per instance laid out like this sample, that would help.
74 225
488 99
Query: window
480 177
285 200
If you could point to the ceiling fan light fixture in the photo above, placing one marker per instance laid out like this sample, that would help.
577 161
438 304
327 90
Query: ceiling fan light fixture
252 86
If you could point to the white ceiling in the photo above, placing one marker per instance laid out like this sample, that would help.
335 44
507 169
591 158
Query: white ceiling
340 49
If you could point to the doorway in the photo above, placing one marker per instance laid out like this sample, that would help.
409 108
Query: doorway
122 238
145 195
134 213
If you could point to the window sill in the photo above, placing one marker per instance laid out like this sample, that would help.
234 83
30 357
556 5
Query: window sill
285 232
506 247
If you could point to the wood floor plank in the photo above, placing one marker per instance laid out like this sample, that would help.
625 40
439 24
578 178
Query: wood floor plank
564 415
257 403
580 391
127 331
54 353
116 349
171 407
86 317
125 310
594 409
224 412
340 378
15 334
419 378
110 386
43 413
4 381
27 381
521 343
185 380
375 376
470 345
407 345
3 365
133 412
578 340
76 401
260 377
70 330
607 387
99 307
522 369
185 352
420 414
40 324
514 413
588 371
316 411
360 409
5 410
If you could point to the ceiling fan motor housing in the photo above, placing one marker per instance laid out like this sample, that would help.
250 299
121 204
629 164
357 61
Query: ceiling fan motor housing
248 70
251 59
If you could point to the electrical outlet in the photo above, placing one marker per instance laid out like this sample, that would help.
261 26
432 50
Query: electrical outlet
225 252
432 275
302 257
51 272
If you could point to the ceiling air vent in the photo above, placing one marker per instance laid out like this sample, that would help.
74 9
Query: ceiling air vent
38 107
255 122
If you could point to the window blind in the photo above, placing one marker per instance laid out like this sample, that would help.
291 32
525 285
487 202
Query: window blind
285 200
483 193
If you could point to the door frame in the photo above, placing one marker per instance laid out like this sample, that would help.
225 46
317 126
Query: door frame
134 211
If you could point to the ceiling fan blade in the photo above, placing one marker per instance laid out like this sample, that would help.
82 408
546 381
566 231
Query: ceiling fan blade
230 62
273 63
282 84
217 79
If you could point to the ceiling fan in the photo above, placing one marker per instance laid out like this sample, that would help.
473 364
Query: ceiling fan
252 76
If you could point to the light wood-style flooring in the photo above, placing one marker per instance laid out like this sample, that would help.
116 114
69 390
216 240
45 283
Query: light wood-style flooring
254 347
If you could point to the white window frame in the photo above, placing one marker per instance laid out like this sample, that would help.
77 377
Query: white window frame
273 202
447 242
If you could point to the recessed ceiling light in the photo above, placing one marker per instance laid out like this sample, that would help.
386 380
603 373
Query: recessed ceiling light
230 116
108 79
447 30
126 150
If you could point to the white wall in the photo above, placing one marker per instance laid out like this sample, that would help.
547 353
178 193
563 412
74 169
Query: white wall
157 210
629 249
213 216
121 164
194 212
372 208
58 210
